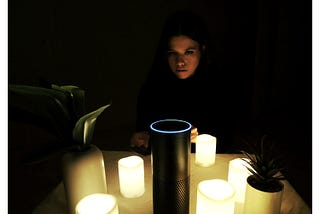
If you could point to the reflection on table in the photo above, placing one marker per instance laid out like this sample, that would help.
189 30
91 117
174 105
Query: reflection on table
55 203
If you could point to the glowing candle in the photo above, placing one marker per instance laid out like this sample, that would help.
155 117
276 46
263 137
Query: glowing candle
205 150
237 176
97 203
215 196
131 176
84 174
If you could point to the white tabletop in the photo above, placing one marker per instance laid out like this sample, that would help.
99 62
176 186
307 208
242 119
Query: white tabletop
55 203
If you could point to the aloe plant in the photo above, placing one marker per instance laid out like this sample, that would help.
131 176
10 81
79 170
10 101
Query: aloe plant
265 168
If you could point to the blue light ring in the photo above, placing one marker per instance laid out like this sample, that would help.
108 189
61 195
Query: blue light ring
189 126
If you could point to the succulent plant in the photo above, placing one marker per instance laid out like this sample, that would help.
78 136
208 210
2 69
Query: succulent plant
265 168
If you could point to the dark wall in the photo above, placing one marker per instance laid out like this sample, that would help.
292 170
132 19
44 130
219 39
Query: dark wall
103 48
107 48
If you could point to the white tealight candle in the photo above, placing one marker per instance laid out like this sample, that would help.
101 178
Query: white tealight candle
215 196
98 203
205 150
131 176
237 176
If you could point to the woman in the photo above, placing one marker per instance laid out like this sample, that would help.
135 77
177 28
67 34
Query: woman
183 83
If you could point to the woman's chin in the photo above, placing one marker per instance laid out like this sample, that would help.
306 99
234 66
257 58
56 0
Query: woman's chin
182 74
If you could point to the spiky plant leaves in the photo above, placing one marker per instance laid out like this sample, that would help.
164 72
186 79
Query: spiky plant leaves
263 166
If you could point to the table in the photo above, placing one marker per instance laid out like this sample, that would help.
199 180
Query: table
55 203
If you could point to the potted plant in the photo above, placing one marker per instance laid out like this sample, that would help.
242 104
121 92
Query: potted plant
264 187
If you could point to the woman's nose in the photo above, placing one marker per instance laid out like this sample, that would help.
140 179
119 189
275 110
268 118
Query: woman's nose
180 61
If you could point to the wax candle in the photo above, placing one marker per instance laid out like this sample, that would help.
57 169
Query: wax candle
84 174
237 176
205 150
98 203
215 196
131 176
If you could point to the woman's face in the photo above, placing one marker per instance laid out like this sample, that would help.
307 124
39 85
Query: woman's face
183 56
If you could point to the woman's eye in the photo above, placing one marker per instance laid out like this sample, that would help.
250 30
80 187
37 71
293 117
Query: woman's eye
171 53
189 52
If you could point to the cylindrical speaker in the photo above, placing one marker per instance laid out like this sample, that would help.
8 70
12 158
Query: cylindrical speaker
170 153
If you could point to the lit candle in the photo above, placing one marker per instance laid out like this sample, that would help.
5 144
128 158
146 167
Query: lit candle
131 176
97 203
84 174
205 150
237 176
215 196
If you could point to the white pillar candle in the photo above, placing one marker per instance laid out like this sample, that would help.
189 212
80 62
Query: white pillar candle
215 196
84 174
131 176
97 203
237 177
205 150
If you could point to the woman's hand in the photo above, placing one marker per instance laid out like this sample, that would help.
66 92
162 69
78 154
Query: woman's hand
140 139
194 134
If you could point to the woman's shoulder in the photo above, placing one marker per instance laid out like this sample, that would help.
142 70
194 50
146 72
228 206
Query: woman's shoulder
208 73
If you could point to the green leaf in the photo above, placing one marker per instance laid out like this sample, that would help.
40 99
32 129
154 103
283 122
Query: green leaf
83 130
264 165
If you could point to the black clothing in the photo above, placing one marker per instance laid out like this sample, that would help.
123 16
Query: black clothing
201 99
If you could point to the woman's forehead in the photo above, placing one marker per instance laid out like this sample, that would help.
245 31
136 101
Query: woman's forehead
182 42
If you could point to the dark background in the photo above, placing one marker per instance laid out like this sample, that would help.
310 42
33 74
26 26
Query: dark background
106 48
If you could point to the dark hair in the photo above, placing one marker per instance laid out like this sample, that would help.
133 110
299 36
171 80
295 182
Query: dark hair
184 23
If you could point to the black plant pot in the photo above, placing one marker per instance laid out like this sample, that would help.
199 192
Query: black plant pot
170 153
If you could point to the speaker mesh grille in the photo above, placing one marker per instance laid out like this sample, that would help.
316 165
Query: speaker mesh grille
171 197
